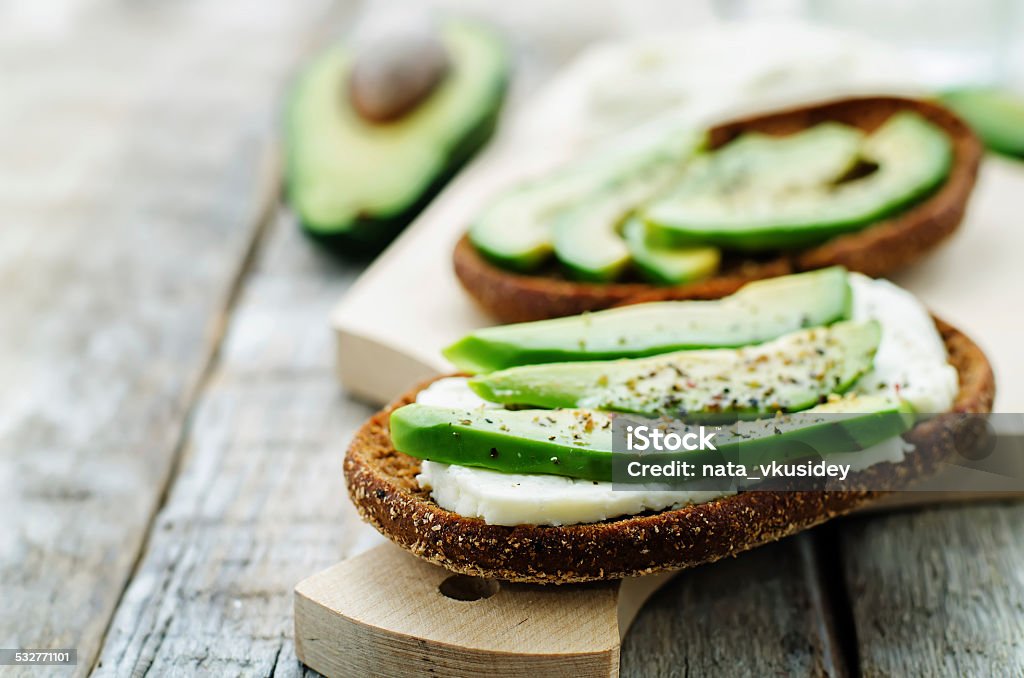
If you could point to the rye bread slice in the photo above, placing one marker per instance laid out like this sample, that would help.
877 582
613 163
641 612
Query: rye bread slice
382 484
875 250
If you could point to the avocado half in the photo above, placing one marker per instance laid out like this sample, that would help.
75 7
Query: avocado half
891 242
354 184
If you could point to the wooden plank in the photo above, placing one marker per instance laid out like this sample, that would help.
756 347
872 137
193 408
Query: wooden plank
260 502
764 613
938 592
134 146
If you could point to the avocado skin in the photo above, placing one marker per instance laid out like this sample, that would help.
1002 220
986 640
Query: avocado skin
367 235
995 115
451 436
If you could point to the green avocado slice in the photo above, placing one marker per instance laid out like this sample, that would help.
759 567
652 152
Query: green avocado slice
586 239
578 443
586 236
589 238
517 229
910 157
355 184
754 161
575 443
788 374
758 312
666 265
996 115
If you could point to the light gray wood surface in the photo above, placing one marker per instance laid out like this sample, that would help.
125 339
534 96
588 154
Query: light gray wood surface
171 432
134 140
764 613
938 592
260 502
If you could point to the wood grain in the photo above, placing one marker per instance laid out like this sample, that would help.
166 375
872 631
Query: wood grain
259 502
134 145
938 592
385 613
764 613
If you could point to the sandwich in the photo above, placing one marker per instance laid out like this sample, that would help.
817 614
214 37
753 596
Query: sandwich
508 469
869 183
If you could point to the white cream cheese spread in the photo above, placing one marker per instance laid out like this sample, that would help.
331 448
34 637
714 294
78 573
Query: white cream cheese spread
911 361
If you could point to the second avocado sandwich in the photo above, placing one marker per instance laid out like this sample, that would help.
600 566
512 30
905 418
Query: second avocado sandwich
868 183
508 469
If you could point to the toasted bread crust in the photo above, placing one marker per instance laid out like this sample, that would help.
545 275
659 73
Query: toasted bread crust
876 250
382 484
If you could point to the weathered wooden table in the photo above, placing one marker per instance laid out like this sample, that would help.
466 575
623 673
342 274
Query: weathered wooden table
171 432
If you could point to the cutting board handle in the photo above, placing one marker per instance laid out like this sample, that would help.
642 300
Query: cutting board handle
386 613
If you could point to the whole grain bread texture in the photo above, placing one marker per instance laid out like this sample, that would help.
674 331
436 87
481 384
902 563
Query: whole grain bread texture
382 484
875 250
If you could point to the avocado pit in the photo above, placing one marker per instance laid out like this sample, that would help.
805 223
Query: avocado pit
394 72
